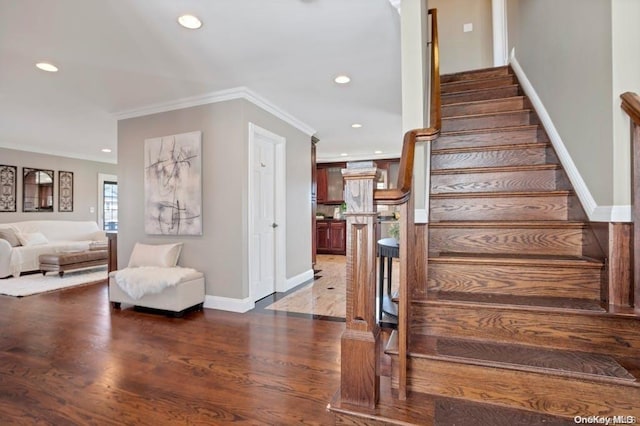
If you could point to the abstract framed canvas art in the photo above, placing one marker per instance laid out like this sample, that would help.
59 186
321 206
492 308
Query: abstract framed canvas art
65 191
173 184
8 175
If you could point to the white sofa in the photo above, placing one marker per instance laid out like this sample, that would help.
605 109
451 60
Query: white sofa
59 236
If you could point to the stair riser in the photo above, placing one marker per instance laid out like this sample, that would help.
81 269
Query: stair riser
595 333
479 95
476 75
500 208
536 180
477 84
539 280
529 241
486 107
492 158
531 391
489 138
504 119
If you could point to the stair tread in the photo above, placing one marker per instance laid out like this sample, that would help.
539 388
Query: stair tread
507 299
476 80
502 68
490 130
486 101
509 224
530 358
487 114
519 259
528 168
557 193
482 148
522 357
481 89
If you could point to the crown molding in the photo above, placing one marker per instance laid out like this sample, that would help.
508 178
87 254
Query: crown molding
214 97
359 157
58 153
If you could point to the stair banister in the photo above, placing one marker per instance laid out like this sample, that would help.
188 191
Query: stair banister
631 105
360 343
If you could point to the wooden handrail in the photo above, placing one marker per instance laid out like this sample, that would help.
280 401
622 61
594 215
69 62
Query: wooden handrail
631 105
402 191
402 196
360 342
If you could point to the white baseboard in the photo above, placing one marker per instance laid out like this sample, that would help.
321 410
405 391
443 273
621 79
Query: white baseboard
246 304
297 280
594 212
228 303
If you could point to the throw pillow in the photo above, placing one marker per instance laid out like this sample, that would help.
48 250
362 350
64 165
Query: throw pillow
33 239
9 235
163 255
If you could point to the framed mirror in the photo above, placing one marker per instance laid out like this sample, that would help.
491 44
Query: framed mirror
37 190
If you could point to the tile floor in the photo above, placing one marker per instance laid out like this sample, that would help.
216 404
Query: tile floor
324 298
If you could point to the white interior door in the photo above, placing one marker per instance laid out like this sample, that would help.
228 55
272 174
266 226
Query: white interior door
263 217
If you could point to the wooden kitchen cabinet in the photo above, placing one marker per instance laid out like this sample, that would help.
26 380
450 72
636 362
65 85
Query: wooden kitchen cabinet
330 184
321 185
323 243
331 236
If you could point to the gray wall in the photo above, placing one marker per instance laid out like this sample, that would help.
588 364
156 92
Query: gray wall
460 51
85 184
221 252
564 47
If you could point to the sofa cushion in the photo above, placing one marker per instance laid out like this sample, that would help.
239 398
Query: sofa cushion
163 255
9 235
33 239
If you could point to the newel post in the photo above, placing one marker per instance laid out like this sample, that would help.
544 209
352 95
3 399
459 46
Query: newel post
360 344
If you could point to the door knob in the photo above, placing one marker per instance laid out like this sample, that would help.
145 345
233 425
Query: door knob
274 225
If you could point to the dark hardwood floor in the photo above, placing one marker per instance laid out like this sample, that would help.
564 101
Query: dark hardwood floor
67 358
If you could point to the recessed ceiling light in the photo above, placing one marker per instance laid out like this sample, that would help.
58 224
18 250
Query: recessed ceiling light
344 154
342 79
377 152
190 21
107 150
356 125
45 66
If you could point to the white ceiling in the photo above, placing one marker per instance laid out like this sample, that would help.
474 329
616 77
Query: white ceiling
119 55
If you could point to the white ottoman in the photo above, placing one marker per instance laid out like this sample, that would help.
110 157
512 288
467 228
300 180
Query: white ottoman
187 295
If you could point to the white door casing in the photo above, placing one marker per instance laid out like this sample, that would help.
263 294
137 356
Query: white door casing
499 21
267 228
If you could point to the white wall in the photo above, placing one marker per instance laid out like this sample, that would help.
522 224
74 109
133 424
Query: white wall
85 184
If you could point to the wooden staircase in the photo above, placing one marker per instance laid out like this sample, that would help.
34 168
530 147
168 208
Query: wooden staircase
511 322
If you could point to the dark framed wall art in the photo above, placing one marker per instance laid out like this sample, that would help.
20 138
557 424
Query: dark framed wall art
65 191
8 182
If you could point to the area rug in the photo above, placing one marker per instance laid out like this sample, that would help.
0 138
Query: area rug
27 285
